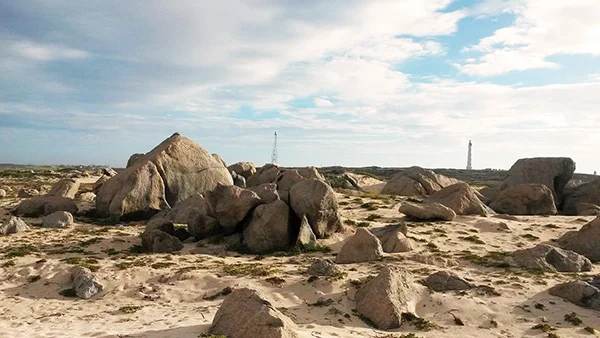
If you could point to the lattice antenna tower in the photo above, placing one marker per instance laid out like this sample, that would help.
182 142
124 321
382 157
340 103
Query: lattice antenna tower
274 158
469 157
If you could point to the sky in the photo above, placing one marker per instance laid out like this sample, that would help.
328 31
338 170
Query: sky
342 82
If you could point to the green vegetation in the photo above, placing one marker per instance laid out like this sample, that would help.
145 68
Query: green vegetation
69 293
371 206
573 319
33 279
472 238
249 269
136 249
544 327
373 217
420 324
161 265
21 251
363 224
130 309
491 259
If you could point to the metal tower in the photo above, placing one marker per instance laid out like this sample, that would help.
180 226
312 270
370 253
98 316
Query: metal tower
274 159
469 164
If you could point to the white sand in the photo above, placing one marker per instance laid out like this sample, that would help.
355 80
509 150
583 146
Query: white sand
172 305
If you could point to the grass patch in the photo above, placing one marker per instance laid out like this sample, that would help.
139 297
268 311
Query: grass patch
371 206
301 249
363 224
350 222
9 264
473 238
161 265
249 269
544 328
496 259
33 279
136 249
420 324
21 251
590 329
84 262
373 217
573 319
130 309
530 237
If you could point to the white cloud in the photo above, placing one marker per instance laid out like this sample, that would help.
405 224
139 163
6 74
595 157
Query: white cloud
542 28
46 52
322 102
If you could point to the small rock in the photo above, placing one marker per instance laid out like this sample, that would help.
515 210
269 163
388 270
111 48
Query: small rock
305 236
59 219
427 211
393 238
3 193
585 293
87 197
14 225
447 281
323 267
159 241
550 258
362 247
86 285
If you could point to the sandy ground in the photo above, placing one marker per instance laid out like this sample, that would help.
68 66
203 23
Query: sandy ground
177 295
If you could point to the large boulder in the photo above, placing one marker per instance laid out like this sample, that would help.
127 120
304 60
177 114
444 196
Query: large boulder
384 298
549 258
134 158
244 169
230 205
245 313
588 209
27 193
585 193
585 242
182 213
416 181
427 211
269 229
317 201
12 226
219 159
447 281
525 199
66 187
553 172
286 181
172 172
59 219
462 199
310 172
45 205
203 226
238 180
362 247
585 293
265 174
393 238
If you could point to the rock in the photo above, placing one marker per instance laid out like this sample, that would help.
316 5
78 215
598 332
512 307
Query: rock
286 181
553 172
416 181
585 193
585 242
231 204
203 226
306 236
492 225
384 298
172 172
447 281
238 180
362 247
310 172
45 205
87 197
161 240
106 174
59 219
182 213
549 258
246 313
14 225
584 293
393 238
27 193
587 209
67 187
85 284
219 159
489 194
133 159
269 228
427 211
323 267
266 174
6 188
525 199
244 169
462 199
267 192
3 193
317 201
182 234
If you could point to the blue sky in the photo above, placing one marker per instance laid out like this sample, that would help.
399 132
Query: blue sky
353 83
